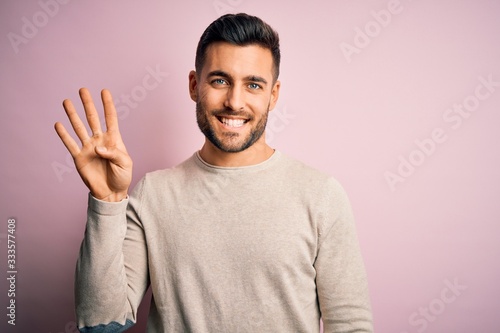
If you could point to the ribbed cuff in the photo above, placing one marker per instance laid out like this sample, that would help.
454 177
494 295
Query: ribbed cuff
107 208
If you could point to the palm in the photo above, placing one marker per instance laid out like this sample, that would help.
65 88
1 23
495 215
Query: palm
107 174
101 175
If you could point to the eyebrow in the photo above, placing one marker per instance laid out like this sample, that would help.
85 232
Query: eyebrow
253 78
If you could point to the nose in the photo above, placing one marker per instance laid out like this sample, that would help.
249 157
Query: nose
235 99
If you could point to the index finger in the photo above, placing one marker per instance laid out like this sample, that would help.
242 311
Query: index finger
75 120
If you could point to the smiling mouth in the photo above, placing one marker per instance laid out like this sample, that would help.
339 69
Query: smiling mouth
230 122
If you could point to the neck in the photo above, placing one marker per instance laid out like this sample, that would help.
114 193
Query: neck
257 153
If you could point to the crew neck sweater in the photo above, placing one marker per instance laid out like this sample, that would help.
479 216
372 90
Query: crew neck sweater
270 247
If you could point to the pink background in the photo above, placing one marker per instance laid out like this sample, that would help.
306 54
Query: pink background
355 115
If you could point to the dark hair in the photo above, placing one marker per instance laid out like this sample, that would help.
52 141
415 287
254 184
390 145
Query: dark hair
239 29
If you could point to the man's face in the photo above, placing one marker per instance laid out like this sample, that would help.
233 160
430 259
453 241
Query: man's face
234 93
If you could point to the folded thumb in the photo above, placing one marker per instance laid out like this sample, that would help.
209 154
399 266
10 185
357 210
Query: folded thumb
104 152
101 149
111 154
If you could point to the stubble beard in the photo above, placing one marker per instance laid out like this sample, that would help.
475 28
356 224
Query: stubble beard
229 142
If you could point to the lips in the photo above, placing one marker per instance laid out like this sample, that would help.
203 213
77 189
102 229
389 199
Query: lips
232 122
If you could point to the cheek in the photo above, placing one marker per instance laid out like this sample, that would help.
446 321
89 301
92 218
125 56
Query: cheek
259 104
212 97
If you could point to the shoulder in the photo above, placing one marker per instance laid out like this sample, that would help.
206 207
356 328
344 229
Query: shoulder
322 194
172 173
164 178
322 188
303 172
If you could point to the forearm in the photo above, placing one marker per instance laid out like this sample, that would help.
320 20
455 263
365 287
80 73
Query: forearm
341 277
343 291
344 301
104 290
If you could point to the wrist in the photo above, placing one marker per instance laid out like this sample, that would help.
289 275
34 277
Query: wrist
114 197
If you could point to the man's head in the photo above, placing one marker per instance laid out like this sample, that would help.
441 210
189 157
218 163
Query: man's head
235 84
241 30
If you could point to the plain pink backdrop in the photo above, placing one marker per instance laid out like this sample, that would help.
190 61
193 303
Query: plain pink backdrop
365 84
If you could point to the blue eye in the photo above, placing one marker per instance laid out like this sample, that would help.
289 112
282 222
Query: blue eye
254 86
219 81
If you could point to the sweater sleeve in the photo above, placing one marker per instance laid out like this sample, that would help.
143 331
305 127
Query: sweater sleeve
341 278
112 272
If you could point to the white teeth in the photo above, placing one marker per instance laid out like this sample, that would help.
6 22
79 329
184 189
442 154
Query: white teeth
233 122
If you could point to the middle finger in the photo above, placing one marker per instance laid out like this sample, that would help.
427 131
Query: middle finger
90 112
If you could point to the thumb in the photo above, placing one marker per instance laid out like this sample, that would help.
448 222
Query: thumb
113 155
102 151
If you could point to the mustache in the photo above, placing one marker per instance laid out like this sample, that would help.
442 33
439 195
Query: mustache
231 113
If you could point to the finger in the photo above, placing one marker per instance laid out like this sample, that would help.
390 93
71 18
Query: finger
114 155
90 111
75 120
109 111
67 140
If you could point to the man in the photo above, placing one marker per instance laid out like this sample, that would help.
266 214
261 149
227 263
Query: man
239 237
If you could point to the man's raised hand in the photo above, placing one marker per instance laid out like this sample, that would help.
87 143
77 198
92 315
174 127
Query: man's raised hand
102 160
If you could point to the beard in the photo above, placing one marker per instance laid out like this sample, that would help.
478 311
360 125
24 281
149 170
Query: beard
229 142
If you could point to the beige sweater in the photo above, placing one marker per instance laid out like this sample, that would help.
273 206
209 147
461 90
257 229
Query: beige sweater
265 248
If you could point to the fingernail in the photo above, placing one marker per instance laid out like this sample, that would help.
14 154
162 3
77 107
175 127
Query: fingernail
101 149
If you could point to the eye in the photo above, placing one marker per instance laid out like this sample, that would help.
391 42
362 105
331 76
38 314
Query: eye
254 86
219 82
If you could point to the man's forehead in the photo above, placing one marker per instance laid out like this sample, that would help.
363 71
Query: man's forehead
251 59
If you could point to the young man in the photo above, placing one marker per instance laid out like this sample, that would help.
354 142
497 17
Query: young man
239 237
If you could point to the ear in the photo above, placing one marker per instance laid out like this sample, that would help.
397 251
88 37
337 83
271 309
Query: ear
193 85
275 93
